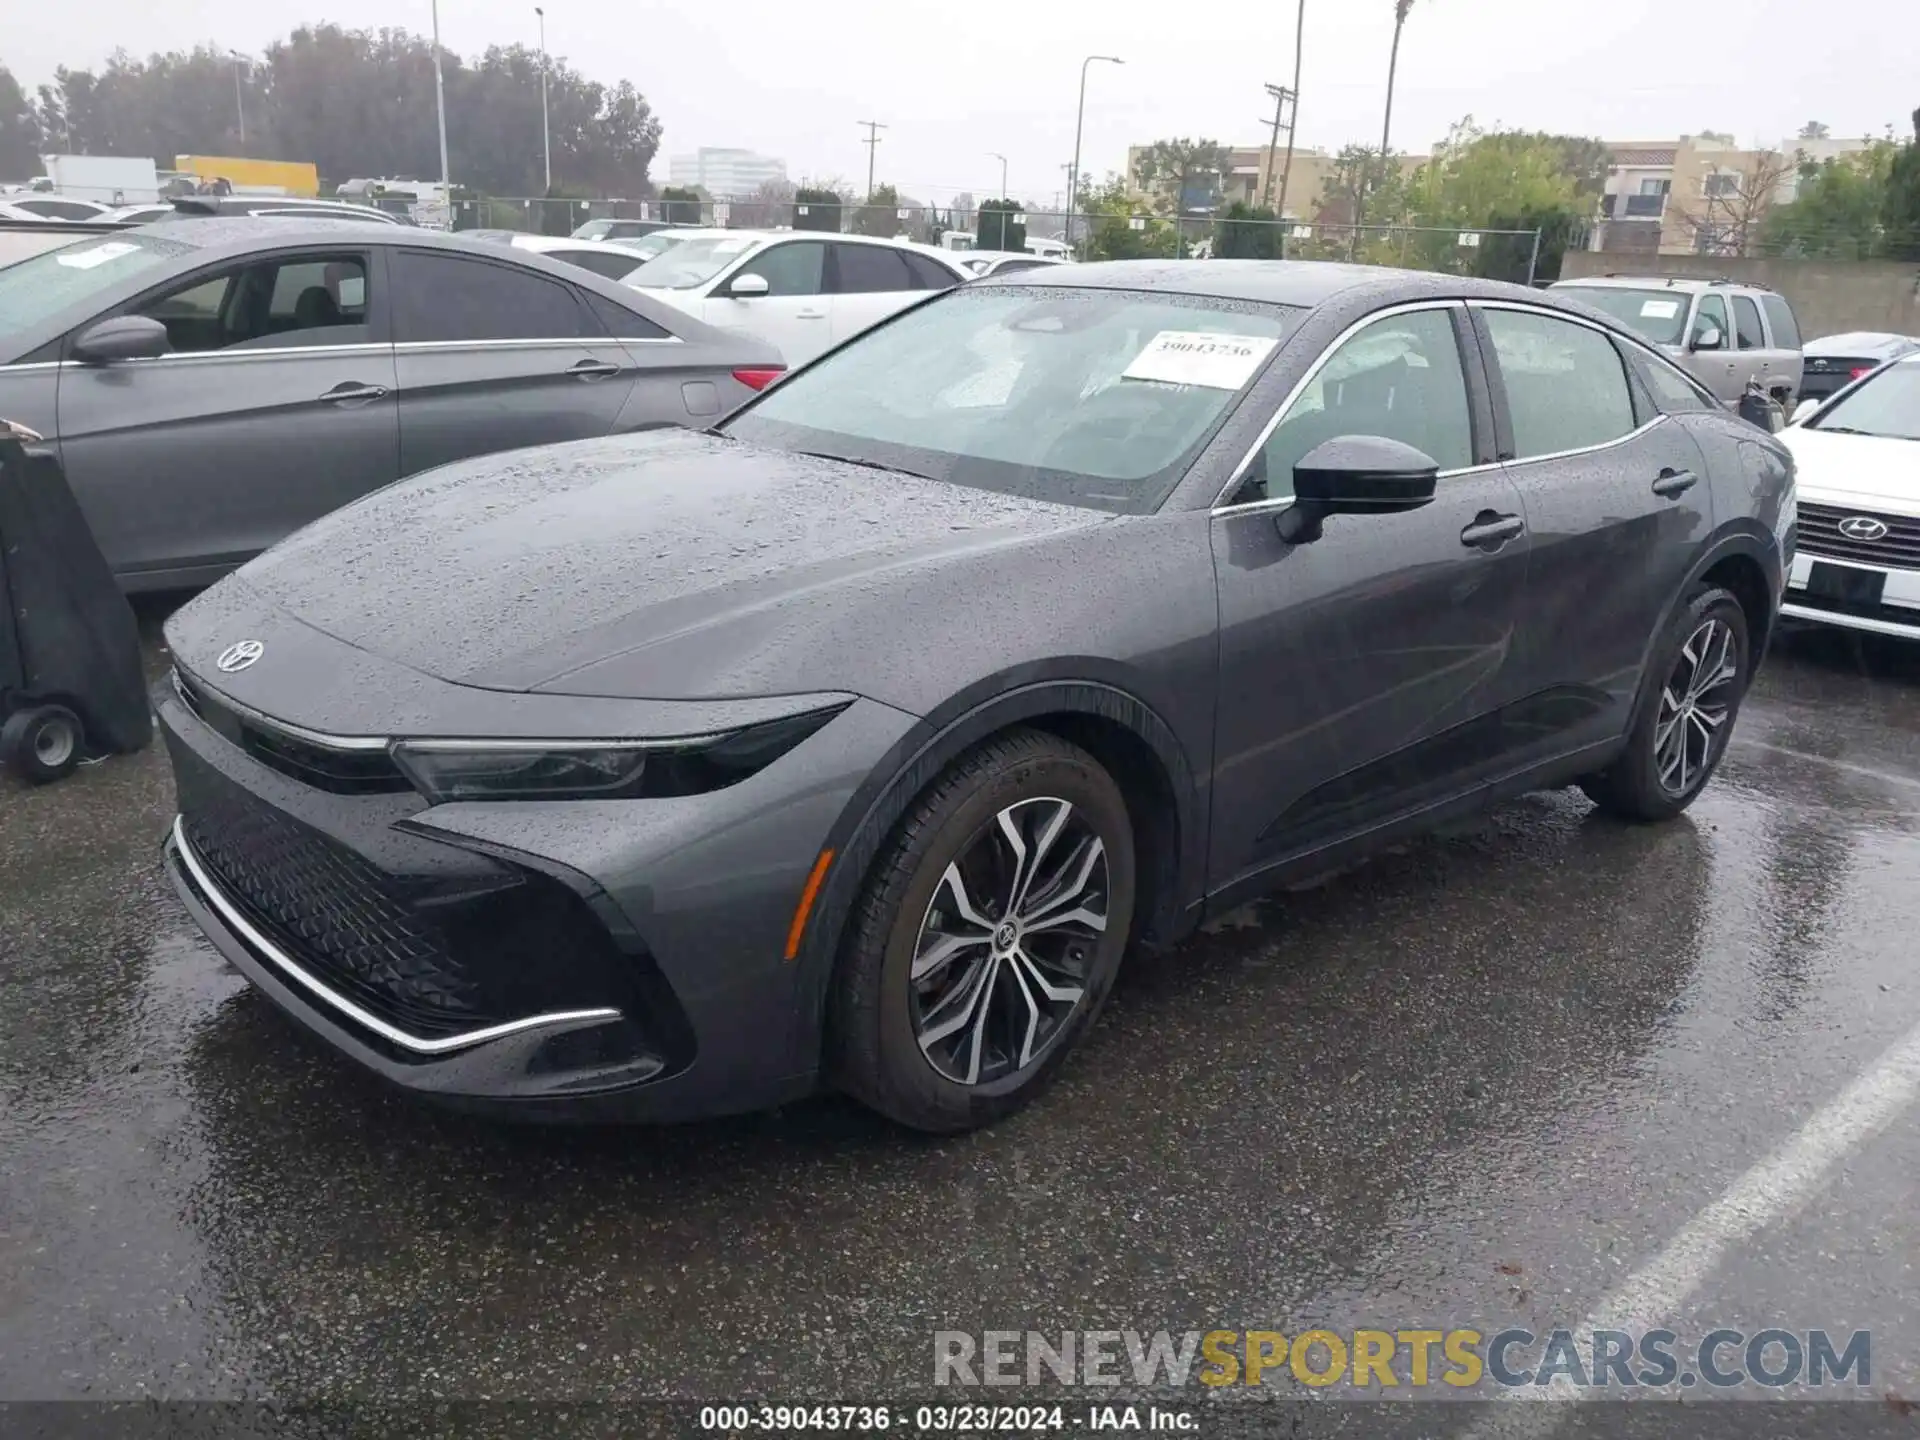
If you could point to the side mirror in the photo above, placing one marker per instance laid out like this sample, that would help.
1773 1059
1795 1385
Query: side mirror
1806 410
1356 475
1708 337
125 337
748 285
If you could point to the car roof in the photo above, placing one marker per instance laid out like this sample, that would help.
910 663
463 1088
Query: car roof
1685 284
1304 283
1861 342
542 244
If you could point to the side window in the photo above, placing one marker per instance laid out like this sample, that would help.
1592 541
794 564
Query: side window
620 322
1400 377
1712 315
869 270
316 300
1746 323
1672 391
449 297
1566 386
1786 330
793 268
929 274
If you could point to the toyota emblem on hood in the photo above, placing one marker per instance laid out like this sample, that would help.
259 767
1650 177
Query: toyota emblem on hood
1863 527
239 655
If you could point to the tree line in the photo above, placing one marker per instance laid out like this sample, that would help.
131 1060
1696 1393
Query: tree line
355 103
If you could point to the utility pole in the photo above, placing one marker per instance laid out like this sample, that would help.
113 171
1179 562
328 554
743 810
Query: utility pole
546 134
1286 173
1003 171
440 108
872 142
239 102
1281 95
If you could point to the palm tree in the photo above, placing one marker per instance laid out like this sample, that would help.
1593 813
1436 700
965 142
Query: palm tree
1400 10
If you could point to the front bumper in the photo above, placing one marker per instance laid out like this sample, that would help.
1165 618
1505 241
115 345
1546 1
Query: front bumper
1870 583
576 960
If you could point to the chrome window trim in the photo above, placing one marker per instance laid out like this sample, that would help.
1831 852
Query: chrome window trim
340 744
285 963
265 352
428 346
1331 348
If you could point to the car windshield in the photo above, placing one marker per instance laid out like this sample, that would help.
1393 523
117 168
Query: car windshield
1659 315
593 230
41 286
691 262
1886 403
1085 397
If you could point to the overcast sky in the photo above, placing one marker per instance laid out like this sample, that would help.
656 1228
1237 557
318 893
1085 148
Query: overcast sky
956 79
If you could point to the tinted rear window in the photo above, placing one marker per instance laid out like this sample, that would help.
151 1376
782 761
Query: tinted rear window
450 297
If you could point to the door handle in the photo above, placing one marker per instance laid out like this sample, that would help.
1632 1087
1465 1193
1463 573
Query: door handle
592 369
352 392
1675 482
1490 530
810 315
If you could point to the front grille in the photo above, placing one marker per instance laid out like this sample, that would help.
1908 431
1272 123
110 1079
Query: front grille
338 916
1899 548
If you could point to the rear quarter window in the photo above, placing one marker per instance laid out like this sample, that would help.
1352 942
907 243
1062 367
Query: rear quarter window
1780 317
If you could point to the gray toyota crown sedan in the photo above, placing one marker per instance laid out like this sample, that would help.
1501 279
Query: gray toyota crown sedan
855 742
213 385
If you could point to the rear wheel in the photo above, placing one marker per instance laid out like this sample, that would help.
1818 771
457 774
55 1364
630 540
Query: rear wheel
41 744
987 937
1686 720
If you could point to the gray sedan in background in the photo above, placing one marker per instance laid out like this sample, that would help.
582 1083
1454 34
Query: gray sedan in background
213 387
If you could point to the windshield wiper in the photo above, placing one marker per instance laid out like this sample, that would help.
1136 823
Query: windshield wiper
863 464
1855 430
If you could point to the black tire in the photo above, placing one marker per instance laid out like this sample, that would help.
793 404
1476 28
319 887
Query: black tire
42 744
877 1007
1633 787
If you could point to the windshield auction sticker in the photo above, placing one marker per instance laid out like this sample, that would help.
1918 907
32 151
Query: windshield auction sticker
1194 357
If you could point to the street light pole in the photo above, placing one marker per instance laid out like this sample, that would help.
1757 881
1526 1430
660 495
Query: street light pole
546 134
440 107
1079 124
1003 171
239 100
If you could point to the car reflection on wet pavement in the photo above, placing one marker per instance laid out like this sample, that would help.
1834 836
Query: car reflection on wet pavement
1477 1081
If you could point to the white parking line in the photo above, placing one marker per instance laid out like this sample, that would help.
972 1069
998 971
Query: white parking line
1885 777
1772 1191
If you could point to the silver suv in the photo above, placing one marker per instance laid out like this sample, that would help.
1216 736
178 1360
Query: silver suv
1721 332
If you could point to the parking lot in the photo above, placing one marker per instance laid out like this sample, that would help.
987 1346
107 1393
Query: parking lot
1482 1081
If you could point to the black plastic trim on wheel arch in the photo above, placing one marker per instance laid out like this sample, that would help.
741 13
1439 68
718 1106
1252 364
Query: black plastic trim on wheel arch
919 760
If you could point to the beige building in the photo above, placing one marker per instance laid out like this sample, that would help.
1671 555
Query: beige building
1310 181
1699 194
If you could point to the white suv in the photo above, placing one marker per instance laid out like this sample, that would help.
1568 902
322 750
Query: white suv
804 290
1858 458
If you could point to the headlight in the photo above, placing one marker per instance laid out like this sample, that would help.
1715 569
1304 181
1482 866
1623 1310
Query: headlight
448 770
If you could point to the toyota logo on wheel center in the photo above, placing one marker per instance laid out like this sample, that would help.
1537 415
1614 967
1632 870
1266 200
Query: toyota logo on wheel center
239 655
1863 527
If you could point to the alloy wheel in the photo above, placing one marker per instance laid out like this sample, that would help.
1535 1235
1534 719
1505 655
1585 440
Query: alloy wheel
1695 704
1006 946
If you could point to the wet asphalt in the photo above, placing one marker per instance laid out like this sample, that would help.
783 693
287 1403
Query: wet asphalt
1479 1081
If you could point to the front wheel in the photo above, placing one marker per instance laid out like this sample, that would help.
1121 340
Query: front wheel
987 937
1685 721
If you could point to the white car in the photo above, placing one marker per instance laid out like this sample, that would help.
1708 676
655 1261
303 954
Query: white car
134 215
58 207
10 211
998 262
803 290
615 262
1857 563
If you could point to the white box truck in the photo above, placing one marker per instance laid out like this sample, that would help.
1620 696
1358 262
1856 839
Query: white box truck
109 179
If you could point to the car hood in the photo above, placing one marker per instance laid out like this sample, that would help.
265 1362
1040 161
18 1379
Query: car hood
694 558
1867 471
